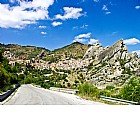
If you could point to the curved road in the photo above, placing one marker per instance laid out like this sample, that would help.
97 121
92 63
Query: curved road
31 95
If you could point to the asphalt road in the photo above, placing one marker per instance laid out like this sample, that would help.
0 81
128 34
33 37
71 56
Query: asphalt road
31 95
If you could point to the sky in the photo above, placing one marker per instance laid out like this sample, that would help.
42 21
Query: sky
56 23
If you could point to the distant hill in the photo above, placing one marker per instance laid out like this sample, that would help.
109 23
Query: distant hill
25 52
75 50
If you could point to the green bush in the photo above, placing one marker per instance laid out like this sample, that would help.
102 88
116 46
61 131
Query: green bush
88 90
27 81
109 87
4 77
131 91
105 93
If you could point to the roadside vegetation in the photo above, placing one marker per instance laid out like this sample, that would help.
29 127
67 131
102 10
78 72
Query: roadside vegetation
43 78
130 91
8 75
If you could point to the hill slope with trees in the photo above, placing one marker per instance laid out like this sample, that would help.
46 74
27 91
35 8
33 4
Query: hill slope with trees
8 74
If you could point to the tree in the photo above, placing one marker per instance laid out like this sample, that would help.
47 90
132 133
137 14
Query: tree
1 57
4 77
132 90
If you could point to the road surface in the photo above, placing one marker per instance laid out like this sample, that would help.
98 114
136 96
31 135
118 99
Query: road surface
31 95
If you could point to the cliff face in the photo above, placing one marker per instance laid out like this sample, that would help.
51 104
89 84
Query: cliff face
94 51
117 51
112 65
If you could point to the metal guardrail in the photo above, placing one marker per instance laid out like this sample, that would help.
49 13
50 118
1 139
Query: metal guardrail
117 100
8 93
65 90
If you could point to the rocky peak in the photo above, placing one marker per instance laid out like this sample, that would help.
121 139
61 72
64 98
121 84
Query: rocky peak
112 65
93 51
117 50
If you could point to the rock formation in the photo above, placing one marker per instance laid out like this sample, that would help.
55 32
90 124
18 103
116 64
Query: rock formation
111 65
94 51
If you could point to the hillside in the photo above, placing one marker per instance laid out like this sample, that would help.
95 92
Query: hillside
8 73
94 70
25 52
75 50
99 66
111 66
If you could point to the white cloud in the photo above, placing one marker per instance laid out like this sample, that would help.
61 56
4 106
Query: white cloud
42 27
24 14
56 23
85 38
70 13
12 1
92 41
84 26
113 33
104 8
96 0
82 38
43 33
132 41
107 13
75 28
36 4
137 7
137 51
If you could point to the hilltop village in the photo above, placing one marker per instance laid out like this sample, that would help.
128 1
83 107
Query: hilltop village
94 64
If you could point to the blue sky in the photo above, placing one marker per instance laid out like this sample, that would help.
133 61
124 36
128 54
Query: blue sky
56 23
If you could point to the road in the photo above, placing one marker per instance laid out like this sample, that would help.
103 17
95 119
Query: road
31 95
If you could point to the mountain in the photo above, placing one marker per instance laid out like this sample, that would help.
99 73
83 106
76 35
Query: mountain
75 50
112 65
25 52
94 64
